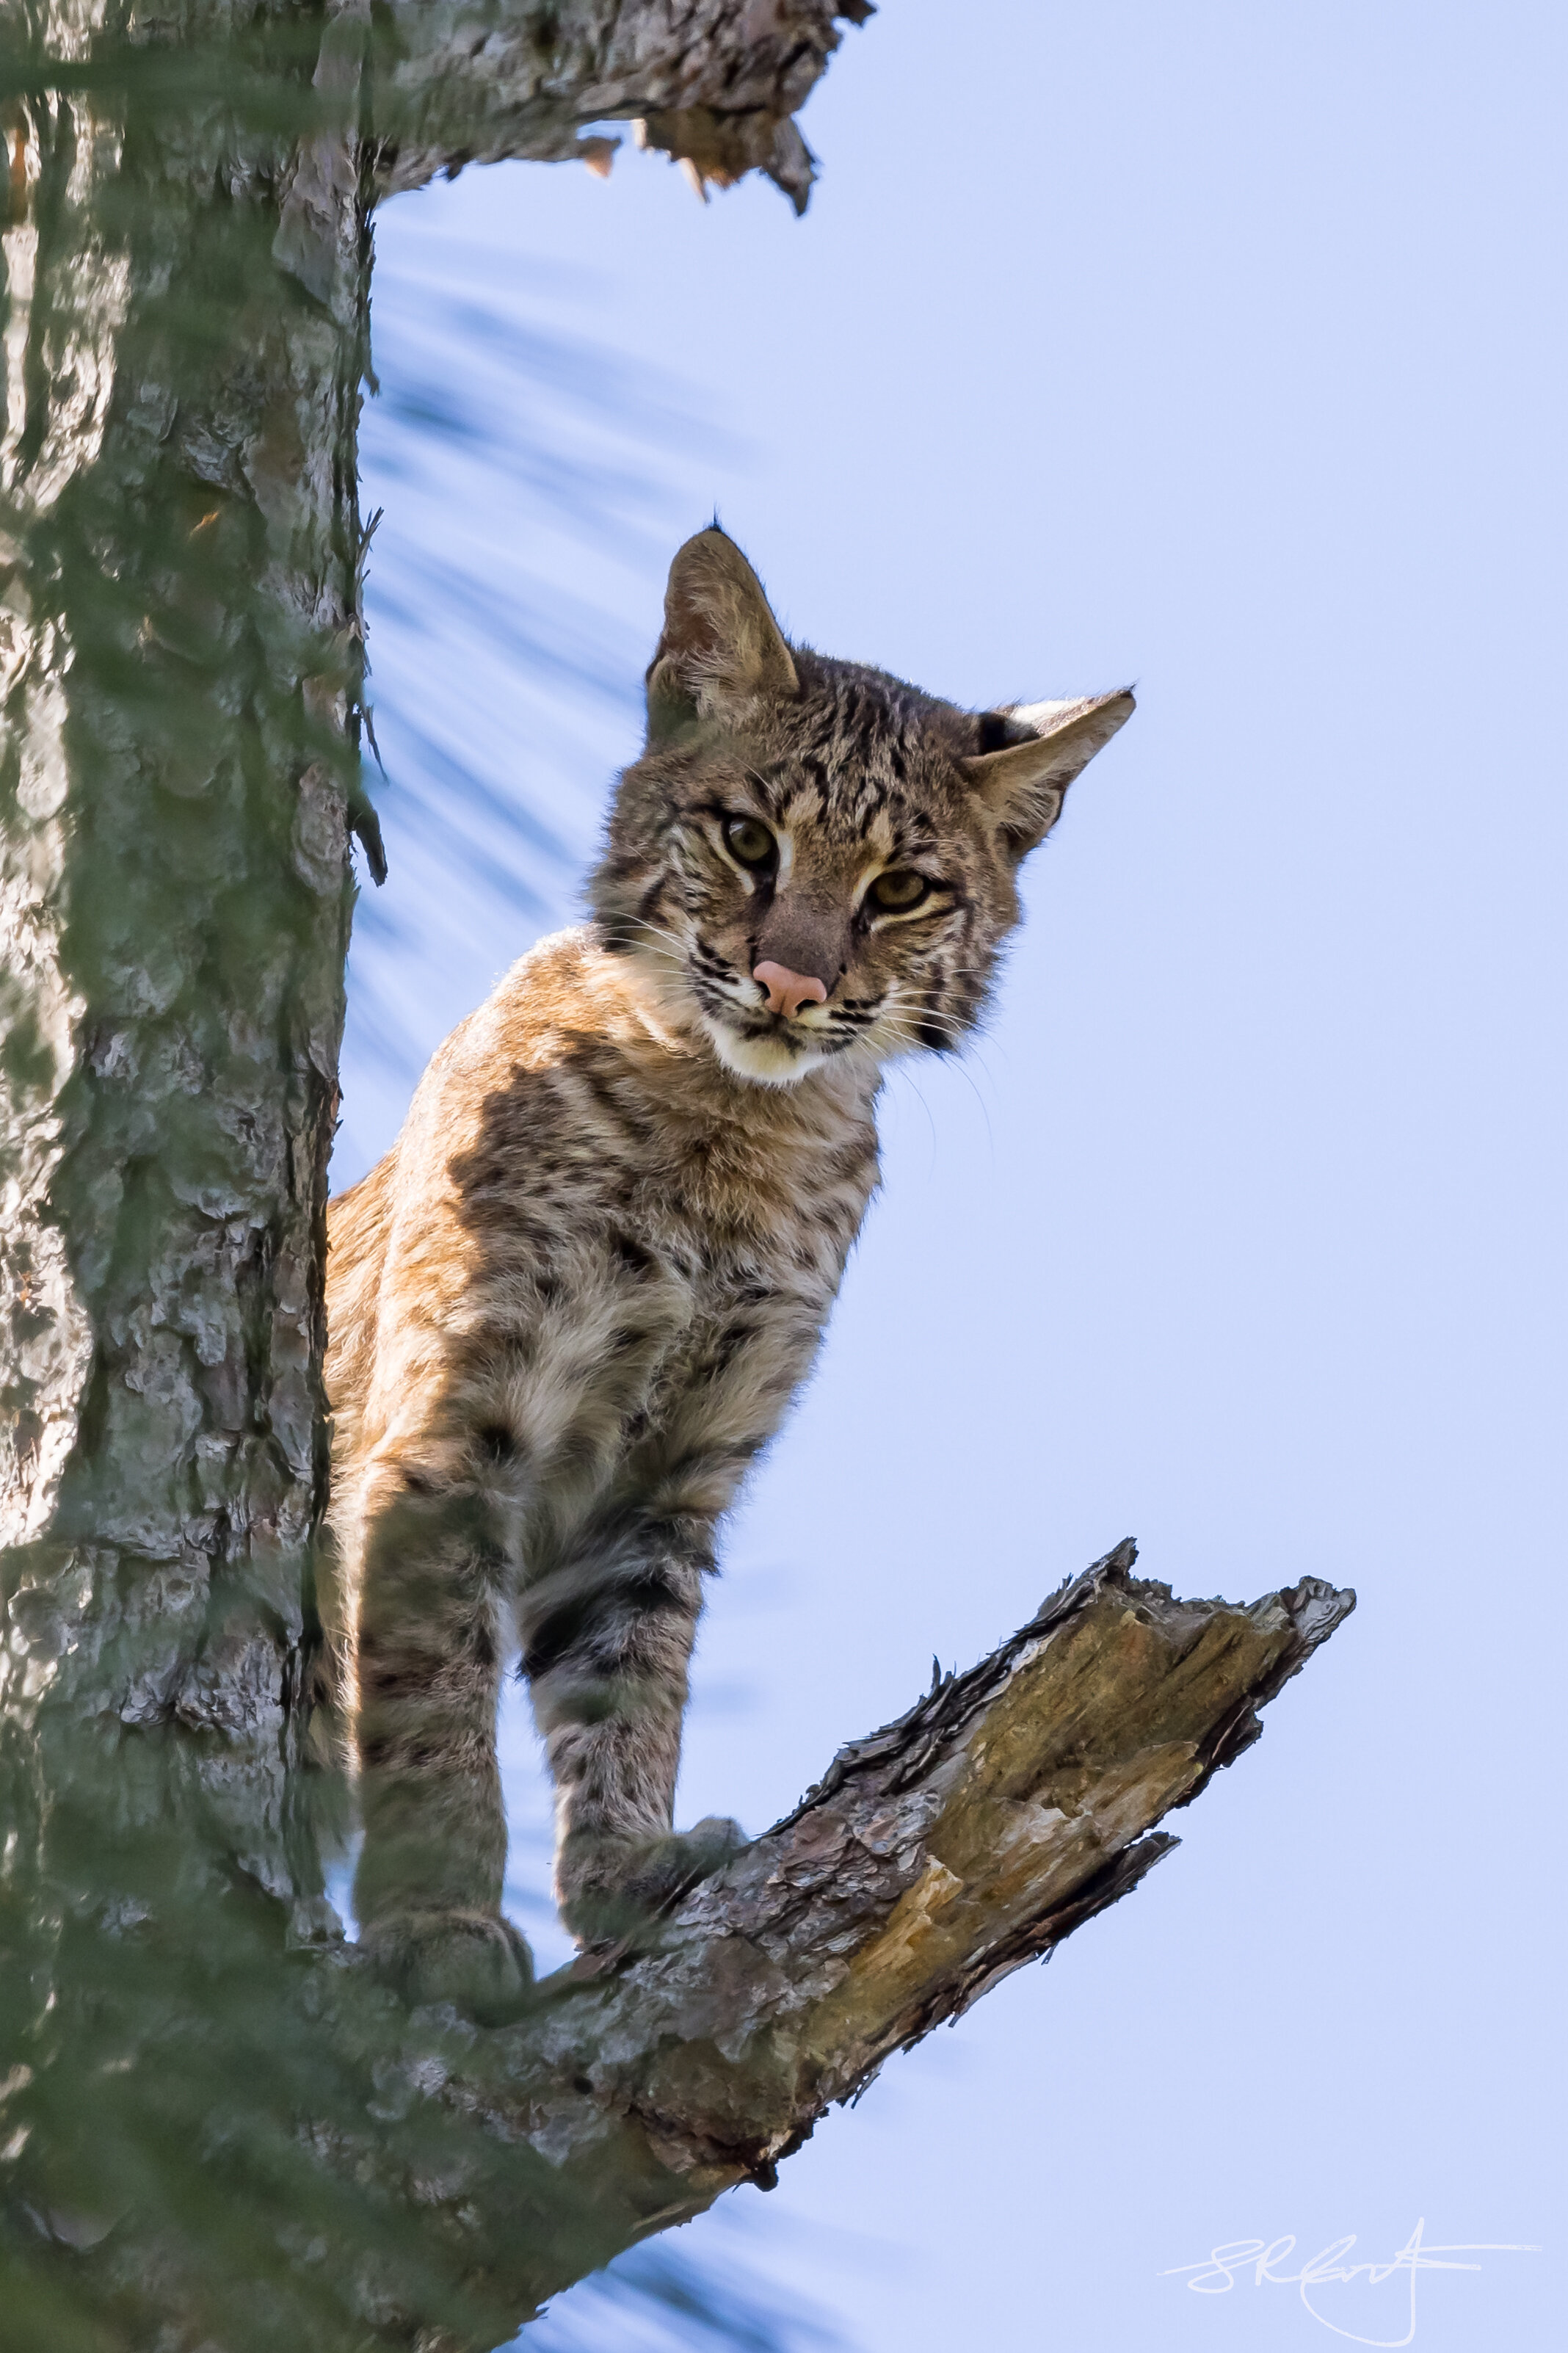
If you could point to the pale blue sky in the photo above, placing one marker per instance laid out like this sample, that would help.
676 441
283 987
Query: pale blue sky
1220 348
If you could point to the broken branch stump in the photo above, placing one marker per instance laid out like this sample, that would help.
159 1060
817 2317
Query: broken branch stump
1011 1804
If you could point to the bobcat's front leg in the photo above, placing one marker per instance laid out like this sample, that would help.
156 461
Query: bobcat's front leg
606 1640
428 1886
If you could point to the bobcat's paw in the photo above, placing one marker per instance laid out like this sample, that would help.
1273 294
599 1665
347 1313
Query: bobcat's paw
611 1888
472 1959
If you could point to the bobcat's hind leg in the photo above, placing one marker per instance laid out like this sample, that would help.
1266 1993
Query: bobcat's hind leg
606 1642
432 1610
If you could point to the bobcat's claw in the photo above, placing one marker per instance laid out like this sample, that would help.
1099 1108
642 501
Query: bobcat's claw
612 1888
473 1959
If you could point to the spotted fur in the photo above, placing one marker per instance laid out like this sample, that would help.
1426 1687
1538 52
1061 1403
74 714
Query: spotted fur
574 1301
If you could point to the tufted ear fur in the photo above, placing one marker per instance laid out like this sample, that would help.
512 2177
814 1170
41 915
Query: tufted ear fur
721 647
1043 745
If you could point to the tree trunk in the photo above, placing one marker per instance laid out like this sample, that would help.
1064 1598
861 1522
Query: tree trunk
214 2131
181 675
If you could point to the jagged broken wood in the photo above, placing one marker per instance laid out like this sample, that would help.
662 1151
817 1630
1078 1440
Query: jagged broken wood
1010 1804
715 84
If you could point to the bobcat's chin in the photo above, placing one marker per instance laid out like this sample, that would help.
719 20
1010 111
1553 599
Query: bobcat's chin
770 1060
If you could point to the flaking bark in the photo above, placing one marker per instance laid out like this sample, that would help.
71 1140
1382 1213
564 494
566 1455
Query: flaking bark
715 83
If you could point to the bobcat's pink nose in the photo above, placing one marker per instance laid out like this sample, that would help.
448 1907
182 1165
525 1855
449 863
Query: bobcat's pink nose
788 991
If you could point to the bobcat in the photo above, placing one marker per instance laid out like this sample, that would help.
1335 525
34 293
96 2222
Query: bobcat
574 1301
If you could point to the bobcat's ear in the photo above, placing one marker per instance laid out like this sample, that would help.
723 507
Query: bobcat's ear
721 647
1041 747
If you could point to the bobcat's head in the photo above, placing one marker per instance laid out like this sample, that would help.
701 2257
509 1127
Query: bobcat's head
811 858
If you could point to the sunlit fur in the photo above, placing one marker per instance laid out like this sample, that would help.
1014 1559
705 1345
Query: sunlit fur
574 1301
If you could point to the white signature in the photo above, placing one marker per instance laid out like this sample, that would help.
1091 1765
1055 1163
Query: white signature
1218 2275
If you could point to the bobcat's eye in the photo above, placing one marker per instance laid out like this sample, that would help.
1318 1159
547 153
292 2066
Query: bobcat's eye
749 840
899 889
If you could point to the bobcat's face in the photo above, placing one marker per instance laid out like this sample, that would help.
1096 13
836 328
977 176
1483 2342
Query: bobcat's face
831 839
811 858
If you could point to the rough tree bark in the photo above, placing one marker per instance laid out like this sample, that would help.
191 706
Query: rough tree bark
1010 1804
213 2132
